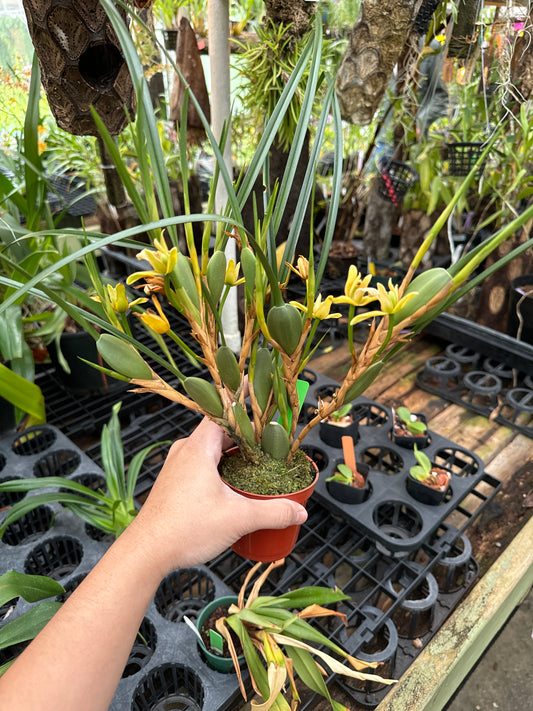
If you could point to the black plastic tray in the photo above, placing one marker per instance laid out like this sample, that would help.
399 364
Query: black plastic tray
390 515
484 385
330 551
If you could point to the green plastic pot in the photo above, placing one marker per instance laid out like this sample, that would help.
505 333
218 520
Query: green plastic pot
215 661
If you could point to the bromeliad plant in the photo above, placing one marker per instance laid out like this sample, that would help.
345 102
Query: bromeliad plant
112 510
195 280
272 633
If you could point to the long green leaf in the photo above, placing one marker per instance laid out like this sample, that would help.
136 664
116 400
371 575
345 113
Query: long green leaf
135 465
144 109
309 596
34 193
302 127
306 668
306 187
335 198
31 588
23 394
275 120
99 242
28 625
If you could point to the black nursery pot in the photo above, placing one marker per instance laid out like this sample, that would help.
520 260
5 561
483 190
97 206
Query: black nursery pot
332 434
408 441
82 379
350 494
426 494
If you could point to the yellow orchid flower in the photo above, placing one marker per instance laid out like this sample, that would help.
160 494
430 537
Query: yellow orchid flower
356 290
118 299
232 274
162 261
301 269
390 300
158 323
321 309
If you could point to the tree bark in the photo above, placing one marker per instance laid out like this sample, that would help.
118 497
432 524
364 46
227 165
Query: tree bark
378 225
376 42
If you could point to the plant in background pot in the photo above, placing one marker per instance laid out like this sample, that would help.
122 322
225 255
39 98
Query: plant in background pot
427 482
110 511
271 631
338 424
409 428
254 391
349 482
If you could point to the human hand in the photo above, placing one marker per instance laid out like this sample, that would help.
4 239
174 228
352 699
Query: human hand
191 516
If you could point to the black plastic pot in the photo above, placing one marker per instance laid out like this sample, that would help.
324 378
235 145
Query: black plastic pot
332 434
409 440
82 379
7 416
351 494
426 494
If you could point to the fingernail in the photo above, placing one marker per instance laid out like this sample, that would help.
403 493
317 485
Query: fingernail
301 516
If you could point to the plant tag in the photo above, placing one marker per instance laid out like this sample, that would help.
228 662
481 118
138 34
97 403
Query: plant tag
302 386
216 640
349 452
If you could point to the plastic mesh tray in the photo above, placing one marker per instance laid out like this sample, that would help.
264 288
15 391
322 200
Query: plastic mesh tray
484 385
165 662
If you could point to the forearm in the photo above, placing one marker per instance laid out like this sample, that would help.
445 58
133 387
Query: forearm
78 659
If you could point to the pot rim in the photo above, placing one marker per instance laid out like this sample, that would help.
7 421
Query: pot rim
267 497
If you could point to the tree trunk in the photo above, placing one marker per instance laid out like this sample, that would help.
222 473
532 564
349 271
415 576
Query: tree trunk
493 304
377 40
378 225
296 13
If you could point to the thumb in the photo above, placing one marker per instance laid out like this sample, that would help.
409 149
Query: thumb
278 513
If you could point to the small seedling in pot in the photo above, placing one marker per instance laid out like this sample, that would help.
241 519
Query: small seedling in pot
347 473
406 420
427 473
342 416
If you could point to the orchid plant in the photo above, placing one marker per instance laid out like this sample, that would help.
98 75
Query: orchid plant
254 394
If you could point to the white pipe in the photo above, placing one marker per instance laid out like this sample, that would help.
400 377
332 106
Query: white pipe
219 63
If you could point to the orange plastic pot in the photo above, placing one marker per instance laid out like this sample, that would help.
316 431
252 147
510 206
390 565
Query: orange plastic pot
269 544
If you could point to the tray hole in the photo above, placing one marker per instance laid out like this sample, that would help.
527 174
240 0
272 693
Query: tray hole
308 375
326 392
184 593
33 441
59 463
29 526
319 457
307 413
56 557
170 687
456 461
369 414
2 462
383 459
397 521
142 649
8 498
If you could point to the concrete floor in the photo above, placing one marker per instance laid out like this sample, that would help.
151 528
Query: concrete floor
503 677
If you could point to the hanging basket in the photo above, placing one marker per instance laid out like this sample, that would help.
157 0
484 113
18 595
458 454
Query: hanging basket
395 179
170 38
82 64
463 156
